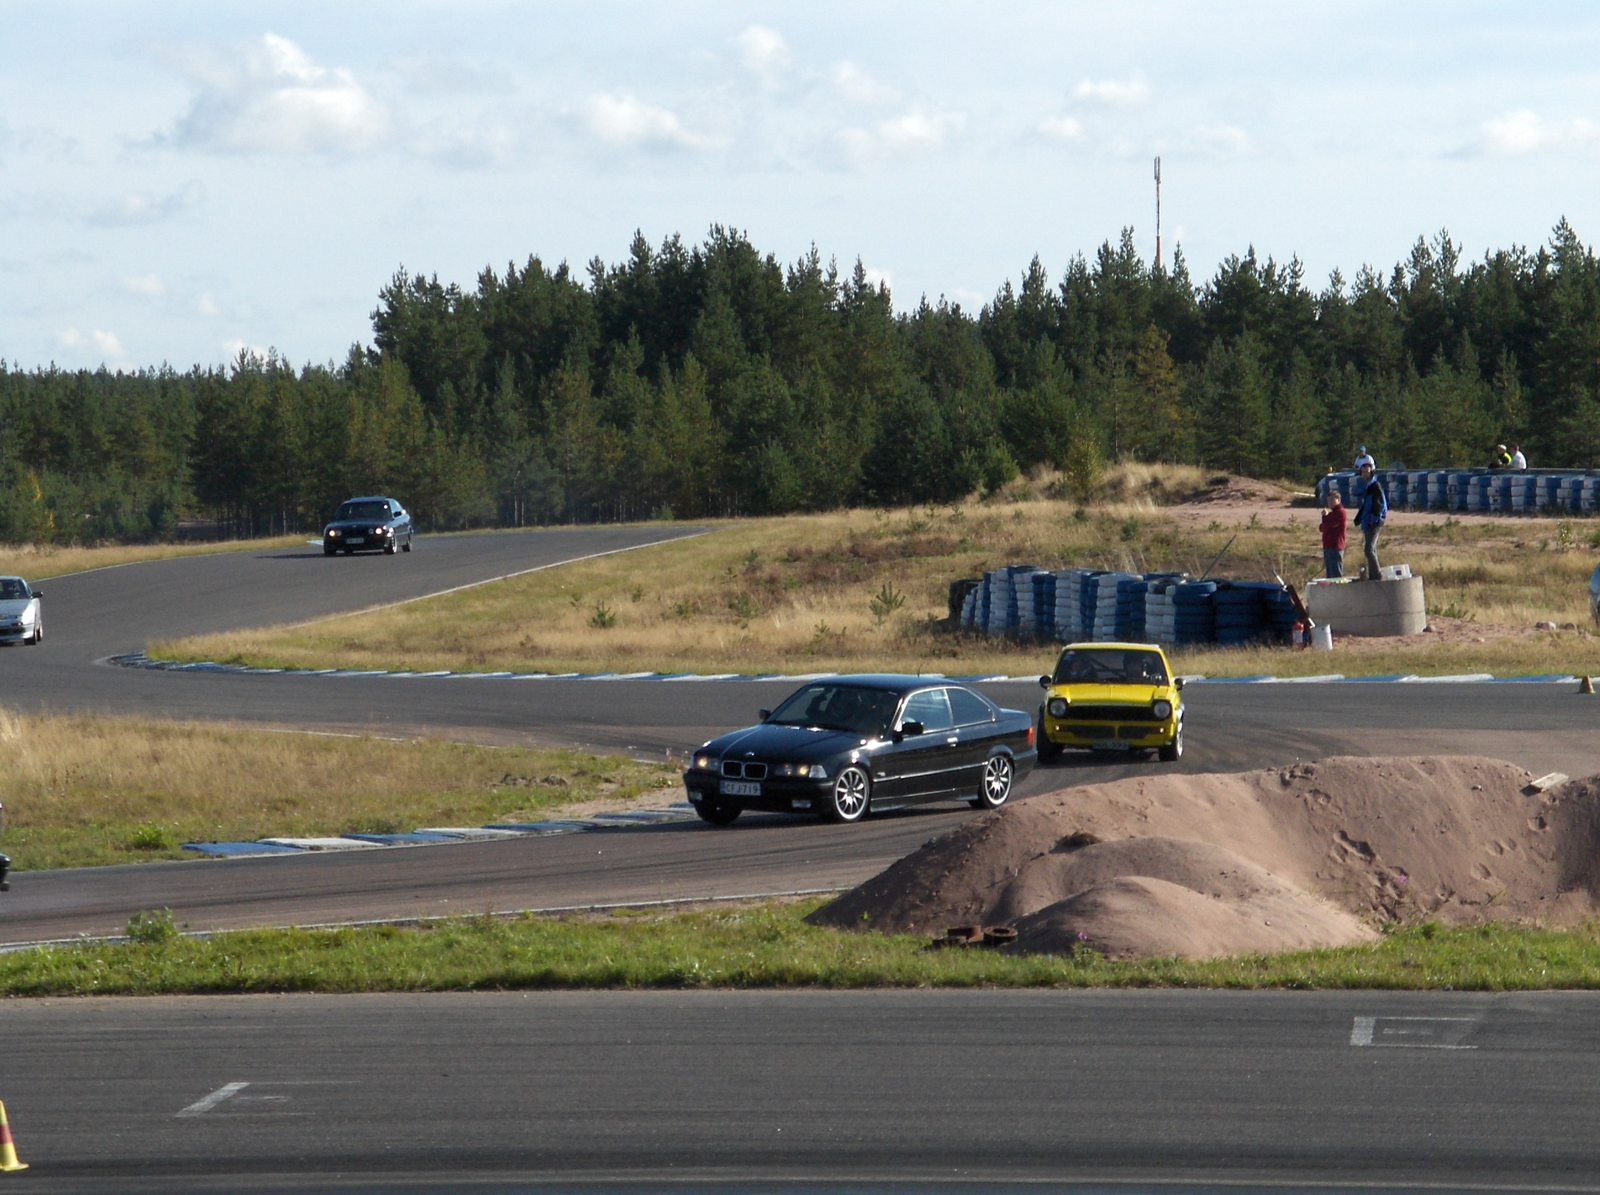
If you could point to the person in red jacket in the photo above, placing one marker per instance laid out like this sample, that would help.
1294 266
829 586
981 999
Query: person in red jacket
1335 535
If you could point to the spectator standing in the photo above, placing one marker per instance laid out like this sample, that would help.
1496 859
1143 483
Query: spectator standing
1335 535
1363 457
1370 517
1518 461
1501 458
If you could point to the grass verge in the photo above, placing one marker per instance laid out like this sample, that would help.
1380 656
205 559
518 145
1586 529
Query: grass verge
36 562
761 946
871 590
86 791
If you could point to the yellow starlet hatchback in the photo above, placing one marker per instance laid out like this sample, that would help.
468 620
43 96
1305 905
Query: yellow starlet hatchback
1111 697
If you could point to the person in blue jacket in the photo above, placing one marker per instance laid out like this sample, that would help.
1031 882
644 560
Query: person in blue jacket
1371 516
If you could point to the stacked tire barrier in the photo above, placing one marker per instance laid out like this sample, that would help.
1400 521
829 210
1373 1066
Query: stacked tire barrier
1477 491
1076 605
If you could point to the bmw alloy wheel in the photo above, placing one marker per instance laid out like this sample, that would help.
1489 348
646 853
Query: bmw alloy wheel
997 776
851 794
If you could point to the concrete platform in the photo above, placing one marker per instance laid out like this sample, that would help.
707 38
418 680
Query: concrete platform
1382 607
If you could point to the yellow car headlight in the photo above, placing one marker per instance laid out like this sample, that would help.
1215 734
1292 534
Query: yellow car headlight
1057 707
1162 710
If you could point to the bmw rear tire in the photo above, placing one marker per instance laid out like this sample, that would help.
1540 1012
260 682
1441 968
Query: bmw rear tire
998 775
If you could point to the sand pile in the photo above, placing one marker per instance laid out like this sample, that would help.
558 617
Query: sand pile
1314 855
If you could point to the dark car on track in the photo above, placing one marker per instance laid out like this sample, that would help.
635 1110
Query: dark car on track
368 525
845 745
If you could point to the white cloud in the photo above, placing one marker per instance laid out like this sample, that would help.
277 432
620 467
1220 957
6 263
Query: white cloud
104 344
764 54
473 147
917 130
1220 141
272 98
232 348
137 208
876 278
855 86
1520 133
206 306
1062 128
144 286
1114 93
621 119
911 133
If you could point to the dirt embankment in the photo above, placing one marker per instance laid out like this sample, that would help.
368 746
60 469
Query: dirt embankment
1200 866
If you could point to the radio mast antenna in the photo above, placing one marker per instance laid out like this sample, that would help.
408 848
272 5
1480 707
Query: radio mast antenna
1158 212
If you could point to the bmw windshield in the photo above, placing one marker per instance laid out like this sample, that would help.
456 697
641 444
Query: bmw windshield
852 708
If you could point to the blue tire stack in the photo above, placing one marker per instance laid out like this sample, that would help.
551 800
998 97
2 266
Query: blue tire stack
1238 614
1044 604
1193 619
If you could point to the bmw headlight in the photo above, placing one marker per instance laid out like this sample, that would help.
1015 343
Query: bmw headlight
1162 710
333 533
1057 707
804 771
704 763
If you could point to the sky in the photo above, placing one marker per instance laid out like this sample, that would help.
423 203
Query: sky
184 181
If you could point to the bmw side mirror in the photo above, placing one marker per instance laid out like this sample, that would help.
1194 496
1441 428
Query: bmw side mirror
911 727
763 715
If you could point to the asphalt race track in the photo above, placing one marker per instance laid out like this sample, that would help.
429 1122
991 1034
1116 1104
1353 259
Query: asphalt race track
689 1091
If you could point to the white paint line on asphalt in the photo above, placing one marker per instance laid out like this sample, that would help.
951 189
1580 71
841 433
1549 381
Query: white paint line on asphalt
1411 1033
201 1107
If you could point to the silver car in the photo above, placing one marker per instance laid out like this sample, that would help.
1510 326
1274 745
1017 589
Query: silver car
21 616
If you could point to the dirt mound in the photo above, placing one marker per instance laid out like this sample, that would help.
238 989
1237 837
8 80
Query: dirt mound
1230 490
1200 866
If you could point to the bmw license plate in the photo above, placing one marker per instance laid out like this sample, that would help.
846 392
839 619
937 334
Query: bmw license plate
740 788
356 539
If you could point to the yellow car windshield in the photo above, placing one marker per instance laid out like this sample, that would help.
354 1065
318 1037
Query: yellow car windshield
1110 666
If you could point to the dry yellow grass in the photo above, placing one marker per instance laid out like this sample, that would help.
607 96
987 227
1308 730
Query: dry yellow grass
35 561
870 590
82 791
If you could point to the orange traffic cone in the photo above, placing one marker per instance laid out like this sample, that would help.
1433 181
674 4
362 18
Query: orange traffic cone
8 1148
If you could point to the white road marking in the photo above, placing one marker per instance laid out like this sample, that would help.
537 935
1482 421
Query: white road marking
201 1107
1411 1033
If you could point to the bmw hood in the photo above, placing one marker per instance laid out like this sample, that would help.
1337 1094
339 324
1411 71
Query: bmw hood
769 741
14 607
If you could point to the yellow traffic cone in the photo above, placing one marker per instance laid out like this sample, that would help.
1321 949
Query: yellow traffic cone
8 1148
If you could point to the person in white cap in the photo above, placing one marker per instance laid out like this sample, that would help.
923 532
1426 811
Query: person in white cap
1363 457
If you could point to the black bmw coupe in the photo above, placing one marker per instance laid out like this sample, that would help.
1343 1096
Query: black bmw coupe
845 745
368 525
